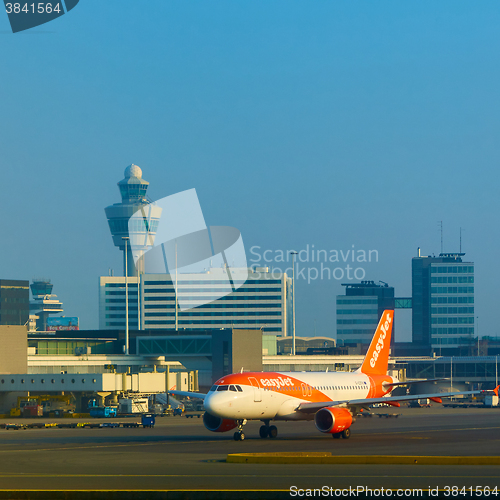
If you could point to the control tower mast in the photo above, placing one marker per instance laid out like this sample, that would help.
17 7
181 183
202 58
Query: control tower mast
143 229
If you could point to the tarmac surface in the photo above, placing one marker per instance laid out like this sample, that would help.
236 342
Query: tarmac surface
180 454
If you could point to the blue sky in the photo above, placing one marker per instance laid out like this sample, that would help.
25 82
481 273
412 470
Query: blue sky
331 123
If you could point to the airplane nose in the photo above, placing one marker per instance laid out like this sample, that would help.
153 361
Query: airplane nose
216 404
208 404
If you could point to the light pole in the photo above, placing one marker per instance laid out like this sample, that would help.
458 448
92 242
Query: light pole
496 371
126 239
293 303
176 313
451 374
138 300
477 323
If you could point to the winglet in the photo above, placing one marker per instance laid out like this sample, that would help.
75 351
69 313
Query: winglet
495 390
377 357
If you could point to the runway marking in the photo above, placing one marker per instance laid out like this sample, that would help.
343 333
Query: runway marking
436 430
111 445
20 474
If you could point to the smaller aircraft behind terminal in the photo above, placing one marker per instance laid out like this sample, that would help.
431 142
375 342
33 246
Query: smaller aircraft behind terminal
331 399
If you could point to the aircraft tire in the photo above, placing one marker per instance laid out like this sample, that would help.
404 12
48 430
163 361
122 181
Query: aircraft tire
273 431
239 436
264 431
337 435
346 434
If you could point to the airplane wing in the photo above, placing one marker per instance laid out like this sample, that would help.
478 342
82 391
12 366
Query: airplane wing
313 407
188 394
411 382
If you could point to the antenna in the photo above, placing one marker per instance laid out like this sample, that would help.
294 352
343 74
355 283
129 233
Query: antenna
460 240
440 222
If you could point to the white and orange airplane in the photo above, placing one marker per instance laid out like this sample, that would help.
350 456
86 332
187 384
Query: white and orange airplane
331 399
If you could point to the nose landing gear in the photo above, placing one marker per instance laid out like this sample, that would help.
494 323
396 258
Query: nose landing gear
239 434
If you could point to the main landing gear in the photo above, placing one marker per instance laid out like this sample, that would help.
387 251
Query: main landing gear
268 431
346 434
239 435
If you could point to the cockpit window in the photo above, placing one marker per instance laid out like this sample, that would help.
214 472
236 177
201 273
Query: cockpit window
222 388
239 389
232 388
213 388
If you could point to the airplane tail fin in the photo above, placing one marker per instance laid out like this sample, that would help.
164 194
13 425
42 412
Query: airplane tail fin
377 356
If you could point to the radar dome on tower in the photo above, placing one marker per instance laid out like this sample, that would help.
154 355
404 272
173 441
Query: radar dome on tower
133 171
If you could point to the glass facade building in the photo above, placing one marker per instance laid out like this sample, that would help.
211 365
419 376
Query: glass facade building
14 302
359 311
262 301
443 303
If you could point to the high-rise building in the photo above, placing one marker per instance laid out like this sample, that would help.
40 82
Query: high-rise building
140 229
360 309
443 303
262 302
14 302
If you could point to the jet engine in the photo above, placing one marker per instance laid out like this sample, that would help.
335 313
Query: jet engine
217 424
332 420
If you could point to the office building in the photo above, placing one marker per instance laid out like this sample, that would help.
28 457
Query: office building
443 303
14 302
261 302
359 311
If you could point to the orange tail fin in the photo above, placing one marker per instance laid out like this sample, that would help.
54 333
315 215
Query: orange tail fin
377 356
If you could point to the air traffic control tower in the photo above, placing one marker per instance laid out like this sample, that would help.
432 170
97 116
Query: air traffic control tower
141 230
44 302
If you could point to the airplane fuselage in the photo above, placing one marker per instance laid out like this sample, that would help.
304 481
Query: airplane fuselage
277 395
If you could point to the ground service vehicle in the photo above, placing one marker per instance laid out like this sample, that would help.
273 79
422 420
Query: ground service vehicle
331 399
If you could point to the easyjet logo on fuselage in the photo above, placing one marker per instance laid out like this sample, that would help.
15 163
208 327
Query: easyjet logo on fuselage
277 382
380 342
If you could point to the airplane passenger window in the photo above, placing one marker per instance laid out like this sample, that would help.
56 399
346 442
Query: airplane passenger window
222 388
232 388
